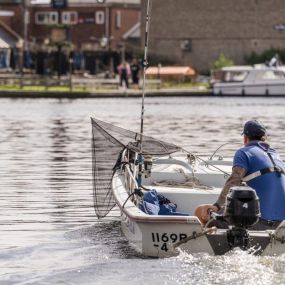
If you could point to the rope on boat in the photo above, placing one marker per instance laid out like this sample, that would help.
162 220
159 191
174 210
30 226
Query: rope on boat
194 236
206 162
274 238
136 192
207 224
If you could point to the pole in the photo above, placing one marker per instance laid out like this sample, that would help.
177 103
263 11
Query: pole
26 22
70 61
145 65
23 48
59 48
21 61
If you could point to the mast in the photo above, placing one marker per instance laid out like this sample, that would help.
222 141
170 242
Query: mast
145 65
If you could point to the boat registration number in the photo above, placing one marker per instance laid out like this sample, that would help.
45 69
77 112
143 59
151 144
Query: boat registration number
161 240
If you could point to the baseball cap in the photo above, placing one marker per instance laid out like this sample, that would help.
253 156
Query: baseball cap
254 128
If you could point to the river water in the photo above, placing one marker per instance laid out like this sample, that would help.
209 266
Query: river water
48 230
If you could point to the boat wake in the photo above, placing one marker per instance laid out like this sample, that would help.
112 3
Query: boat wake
235 267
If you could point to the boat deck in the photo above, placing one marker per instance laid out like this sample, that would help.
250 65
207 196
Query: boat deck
187 199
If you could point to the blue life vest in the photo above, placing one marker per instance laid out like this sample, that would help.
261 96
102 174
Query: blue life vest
269 187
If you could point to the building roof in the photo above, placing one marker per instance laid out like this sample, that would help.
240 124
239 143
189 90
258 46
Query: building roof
171 70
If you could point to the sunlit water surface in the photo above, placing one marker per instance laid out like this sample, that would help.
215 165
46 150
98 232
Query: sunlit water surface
48 230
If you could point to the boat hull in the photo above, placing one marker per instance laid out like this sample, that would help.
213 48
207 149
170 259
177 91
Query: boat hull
156 235
272 89
157 239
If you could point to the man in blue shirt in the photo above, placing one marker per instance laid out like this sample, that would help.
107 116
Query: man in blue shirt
262 169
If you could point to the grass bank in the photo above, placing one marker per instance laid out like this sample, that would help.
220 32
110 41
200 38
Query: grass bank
64 89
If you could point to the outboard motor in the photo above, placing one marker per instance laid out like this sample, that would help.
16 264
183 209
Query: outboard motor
242 207
242 210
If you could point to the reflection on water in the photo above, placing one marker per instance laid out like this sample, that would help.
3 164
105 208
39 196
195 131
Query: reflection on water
49 233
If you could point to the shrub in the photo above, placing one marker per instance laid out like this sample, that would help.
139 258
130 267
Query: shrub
222 61
255 58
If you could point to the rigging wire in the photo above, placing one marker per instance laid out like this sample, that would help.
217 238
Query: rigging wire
214 153
212 165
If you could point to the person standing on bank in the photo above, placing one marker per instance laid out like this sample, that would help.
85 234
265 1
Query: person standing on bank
261 167
124 72
135 69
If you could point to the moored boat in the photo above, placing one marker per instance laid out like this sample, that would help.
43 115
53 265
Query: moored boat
250 80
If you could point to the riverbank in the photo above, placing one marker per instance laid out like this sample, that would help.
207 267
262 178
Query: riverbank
173 92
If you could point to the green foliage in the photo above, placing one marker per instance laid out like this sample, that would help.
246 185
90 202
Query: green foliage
185 85
222 61
255 58
47 89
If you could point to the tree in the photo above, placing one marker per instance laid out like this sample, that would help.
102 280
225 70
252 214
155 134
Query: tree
222 61
265 56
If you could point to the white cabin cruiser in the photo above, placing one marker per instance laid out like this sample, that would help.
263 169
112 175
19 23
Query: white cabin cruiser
182 179
251 80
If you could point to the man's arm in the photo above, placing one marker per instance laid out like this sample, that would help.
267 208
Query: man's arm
234 180
202 211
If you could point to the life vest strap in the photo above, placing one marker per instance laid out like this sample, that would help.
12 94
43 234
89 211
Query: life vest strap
262 172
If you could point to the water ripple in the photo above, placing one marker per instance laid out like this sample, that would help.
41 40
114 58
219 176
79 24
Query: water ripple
49 232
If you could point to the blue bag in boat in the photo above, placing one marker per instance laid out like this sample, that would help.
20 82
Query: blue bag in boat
156 204
150 203
167 209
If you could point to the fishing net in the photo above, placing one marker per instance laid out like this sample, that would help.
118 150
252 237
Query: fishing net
108 141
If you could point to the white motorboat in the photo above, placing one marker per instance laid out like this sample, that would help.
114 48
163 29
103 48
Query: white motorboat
183 178
251 80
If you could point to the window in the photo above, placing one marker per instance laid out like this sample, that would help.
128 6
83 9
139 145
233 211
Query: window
118 19
53 18
69 18
86 18
46 18
100 17
279 75
234 76
41 18
270 75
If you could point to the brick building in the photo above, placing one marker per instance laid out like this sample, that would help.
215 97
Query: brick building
91 24
99 29
10 38
195 32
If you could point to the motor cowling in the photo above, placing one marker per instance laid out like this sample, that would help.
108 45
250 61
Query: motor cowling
242 207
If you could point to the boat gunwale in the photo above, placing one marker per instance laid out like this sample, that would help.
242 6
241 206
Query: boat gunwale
144 218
